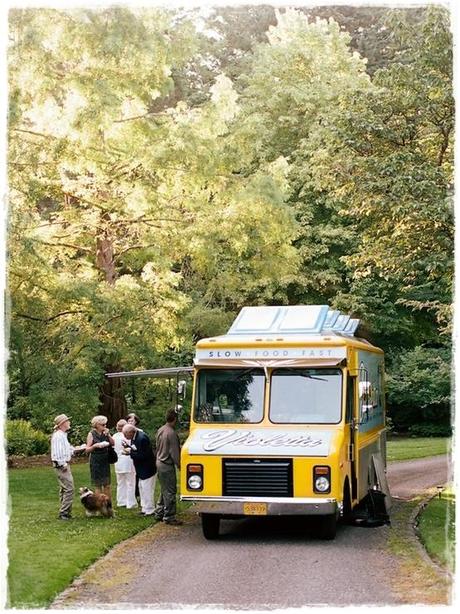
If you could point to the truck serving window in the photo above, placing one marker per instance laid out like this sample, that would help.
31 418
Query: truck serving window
306 396
230 395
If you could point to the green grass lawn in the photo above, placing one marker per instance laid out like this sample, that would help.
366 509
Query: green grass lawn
408 448
437 528
46 554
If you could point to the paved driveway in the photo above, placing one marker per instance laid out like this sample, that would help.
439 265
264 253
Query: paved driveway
258 563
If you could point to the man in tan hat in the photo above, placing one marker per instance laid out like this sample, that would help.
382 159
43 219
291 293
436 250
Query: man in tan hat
61 453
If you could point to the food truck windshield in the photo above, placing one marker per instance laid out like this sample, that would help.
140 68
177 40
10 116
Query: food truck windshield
230 395
306 396
297 396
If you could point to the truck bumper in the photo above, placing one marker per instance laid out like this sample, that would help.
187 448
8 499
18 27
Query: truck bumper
274 506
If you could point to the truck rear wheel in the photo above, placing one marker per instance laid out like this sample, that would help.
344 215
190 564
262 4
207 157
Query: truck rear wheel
328 527
210 525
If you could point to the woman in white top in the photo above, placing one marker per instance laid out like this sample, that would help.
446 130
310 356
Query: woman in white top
125 472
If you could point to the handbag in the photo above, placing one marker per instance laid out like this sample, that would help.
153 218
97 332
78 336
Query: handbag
113 456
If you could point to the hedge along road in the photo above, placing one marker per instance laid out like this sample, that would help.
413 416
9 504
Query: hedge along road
257 562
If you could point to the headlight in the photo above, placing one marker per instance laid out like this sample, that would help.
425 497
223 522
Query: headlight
195 482
322 479
322 484
195 477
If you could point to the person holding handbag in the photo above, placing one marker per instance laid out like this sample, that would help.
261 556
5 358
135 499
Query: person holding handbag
98 443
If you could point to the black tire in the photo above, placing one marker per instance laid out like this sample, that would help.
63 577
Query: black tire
328 527
346 513
210 525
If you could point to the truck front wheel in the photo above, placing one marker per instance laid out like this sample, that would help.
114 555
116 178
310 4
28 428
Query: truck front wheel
210 525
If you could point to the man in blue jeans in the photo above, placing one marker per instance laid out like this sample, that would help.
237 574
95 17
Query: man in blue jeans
168 458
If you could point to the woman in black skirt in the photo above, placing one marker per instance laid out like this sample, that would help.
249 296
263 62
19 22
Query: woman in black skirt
97 444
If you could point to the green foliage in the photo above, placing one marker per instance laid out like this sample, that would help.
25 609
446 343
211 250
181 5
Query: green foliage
290 82
23 440
419 391
430 429
371 29
123 216
162 176
287 90
385 156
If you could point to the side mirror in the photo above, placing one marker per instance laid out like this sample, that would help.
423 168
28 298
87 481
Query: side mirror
181 389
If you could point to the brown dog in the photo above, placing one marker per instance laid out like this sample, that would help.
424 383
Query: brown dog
95 503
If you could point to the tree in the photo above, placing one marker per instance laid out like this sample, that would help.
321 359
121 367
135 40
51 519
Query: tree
297 79
118 210
385 156
152 195
419 392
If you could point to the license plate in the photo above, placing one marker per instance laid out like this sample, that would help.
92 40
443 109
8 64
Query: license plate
255 509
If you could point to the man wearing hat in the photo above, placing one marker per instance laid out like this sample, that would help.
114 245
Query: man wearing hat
61 453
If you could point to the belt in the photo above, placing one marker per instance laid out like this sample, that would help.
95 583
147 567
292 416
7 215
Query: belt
57 465
168 462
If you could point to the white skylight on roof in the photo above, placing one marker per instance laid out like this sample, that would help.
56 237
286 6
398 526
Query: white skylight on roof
302 318
255 319
292 319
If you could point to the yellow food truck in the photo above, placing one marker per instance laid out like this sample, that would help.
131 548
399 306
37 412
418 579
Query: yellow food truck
288 418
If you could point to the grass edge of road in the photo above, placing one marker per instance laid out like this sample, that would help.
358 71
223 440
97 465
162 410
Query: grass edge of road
35 574
418 579
435 527
411 448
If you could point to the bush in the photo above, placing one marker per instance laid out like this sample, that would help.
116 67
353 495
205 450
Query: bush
23 440
419 390
430 430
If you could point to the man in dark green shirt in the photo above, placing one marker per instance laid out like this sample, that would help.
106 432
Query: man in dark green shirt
168 458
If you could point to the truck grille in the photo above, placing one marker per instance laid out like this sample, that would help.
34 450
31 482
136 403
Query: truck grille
257 478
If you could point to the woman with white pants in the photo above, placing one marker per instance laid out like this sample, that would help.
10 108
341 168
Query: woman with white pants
125 472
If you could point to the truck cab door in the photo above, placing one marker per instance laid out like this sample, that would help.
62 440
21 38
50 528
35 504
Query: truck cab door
350 426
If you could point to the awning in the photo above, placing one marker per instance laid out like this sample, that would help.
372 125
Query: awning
235 364
168 372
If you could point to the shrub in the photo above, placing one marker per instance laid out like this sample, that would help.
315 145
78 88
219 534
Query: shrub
23 440
430 430
419 390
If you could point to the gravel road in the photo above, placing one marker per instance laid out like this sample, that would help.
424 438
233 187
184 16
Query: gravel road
258 563
407 478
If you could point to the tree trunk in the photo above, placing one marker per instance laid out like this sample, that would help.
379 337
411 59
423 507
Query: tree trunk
111 394
112 398
105 260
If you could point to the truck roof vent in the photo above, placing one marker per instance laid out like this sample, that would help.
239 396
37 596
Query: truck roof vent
292 320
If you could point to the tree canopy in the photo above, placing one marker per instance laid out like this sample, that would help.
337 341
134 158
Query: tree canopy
168 167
